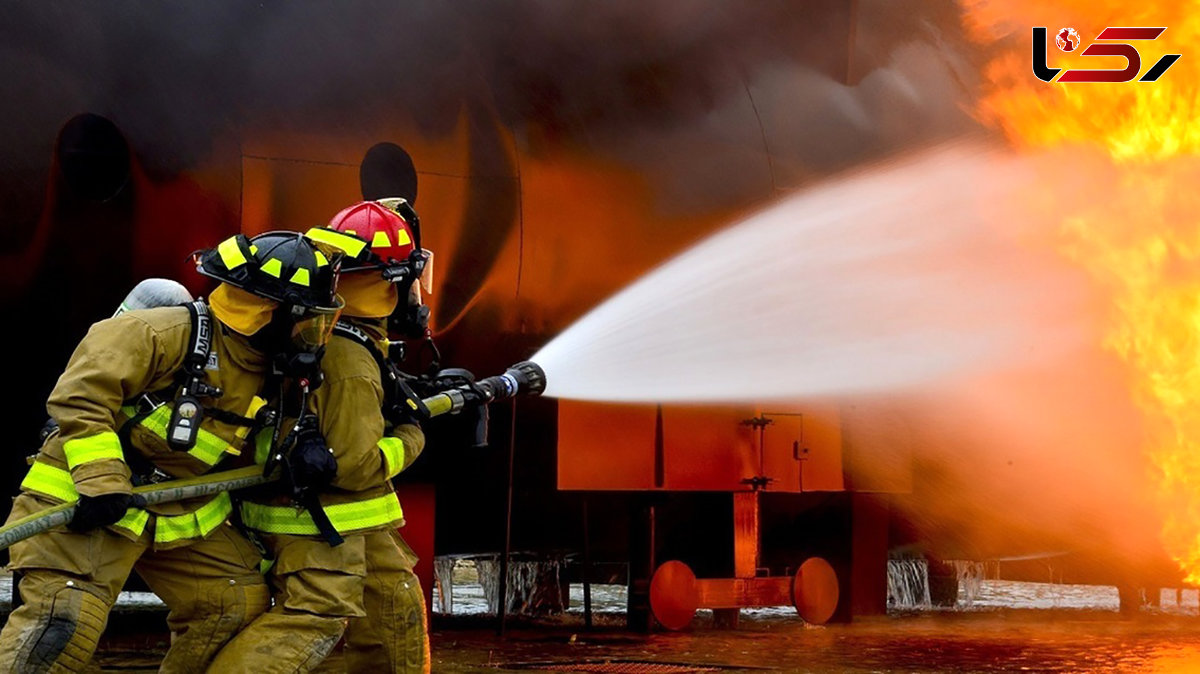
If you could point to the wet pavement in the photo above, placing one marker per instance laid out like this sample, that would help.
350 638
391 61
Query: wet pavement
1005 640
1002 641
1001 626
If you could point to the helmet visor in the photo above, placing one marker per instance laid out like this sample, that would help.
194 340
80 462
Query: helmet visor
312 330
427 272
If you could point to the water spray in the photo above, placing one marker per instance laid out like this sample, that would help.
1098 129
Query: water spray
887 278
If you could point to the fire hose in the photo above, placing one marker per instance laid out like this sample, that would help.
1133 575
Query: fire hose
523 378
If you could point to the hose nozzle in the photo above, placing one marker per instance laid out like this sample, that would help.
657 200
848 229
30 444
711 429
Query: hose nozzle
525 377
533 375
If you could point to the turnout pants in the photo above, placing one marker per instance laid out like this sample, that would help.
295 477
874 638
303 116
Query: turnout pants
317 588
392 636
211 586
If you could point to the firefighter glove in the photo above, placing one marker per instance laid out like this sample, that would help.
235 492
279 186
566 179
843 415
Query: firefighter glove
100 511
311 466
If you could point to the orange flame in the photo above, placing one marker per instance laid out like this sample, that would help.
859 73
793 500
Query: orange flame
1130 120
1141 242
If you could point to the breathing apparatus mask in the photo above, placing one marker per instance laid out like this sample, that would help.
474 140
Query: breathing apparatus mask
410 278
296 336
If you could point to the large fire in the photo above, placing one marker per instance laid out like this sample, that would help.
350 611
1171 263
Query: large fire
1141 241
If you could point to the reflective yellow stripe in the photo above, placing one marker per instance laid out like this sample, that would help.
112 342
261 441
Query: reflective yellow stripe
156 422
51 481
104 445
322 261
402 237
134 520
300 278
209 446
380 240
195 524
344 516
351 244
393 455
56 482
256 404
262 445
274 267
231 253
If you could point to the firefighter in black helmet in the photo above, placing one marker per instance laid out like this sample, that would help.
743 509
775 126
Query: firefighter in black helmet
152 394
284 300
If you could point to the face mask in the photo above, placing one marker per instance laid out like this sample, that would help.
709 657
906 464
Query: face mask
311 332
301 365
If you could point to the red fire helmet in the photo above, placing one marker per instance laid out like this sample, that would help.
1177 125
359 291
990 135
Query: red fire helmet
390 236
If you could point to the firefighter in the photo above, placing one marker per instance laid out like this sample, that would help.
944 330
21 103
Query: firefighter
126 409
380 283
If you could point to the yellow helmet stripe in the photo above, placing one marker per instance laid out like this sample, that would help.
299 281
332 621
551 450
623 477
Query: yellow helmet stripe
321 259
351 244
380 240
274 267
231 253
300 278
402 237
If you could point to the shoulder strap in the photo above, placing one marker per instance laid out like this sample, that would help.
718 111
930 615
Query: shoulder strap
354 333
357 335
400 402
200 343
189 380
184 426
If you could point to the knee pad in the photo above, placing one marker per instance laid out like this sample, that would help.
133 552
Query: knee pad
413 637
211 623
409 602
67 626
393 636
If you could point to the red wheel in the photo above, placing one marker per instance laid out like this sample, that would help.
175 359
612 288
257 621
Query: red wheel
815 591
673 598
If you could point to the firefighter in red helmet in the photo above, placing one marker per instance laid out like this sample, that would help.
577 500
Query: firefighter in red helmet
386 292
383 274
